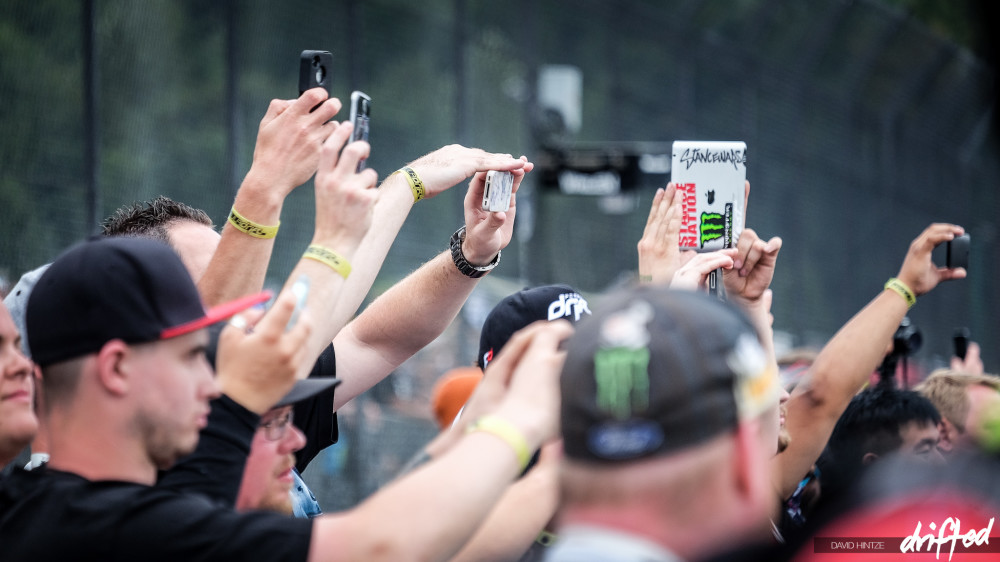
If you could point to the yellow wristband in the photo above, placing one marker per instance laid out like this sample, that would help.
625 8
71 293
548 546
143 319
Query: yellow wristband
330 258
249 227
416 186
899 287
546 538
508 433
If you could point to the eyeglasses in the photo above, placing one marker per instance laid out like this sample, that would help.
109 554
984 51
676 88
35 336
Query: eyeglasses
275 428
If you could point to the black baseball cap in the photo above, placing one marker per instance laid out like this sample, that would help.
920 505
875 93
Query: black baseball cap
654 371
132 289
547 302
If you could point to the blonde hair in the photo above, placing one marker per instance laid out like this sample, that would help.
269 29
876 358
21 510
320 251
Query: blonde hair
945 388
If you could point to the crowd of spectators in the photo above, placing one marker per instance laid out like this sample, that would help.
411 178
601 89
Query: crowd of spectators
170 404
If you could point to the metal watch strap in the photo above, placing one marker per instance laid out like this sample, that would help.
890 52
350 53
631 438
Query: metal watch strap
466 268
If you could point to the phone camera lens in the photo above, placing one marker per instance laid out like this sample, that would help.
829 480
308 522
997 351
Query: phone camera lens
320 69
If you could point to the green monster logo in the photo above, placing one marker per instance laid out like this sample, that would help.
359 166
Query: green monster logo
711 227
622 380
716 225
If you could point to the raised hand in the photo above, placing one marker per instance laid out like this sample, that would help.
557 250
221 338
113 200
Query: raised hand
659 254
289 140
453 164
753 267
487 233
344 197
693 275
257 359
918 271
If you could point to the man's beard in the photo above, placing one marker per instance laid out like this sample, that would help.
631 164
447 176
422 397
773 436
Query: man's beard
783 440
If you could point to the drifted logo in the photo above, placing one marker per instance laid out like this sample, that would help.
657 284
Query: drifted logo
715 226
917 542
950 534
568 305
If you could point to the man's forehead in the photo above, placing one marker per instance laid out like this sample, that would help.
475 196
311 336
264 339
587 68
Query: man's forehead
915 431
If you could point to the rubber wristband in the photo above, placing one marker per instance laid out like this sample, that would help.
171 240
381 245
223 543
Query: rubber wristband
546 538
899 287
330 258
247 226
416 186
508 433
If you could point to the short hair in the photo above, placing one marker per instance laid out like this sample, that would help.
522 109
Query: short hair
872 422
150 219
945 388
59 382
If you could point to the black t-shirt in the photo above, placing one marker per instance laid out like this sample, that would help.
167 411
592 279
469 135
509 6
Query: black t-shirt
51 515
315 416
215 469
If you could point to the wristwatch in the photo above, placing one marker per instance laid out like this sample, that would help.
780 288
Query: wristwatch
467 269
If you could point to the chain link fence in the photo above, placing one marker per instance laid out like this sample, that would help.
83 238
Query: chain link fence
862 125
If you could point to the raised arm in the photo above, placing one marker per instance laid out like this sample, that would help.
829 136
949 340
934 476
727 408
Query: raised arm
438 172
289 141
344 201
344 207
521 515
396 325
849 358
430 513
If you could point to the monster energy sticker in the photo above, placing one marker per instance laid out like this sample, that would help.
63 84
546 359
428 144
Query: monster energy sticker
621 374
622 381
621 363
715 226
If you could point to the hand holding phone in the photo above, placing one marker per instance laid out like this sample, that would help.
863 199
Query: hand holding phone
497 191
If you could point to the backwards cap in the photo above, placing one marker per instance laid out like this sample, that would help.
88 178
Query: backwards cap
548 302
654 371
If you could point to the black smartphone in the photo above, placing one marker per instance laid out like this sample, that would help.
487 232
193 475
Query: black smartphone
314 70
961 342
957 252
361 107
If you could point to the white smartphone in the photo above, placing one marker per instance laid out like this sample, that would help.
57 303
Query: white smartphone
301 291
711 175
497 192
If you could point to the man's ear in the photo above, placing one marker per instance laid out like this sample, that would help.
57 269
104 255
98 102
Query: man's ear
949 433
869 458
112 367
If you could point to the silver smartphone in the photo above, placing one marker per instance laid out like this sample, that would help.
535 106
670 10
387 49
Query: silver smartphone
301 291
497 192
361 106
